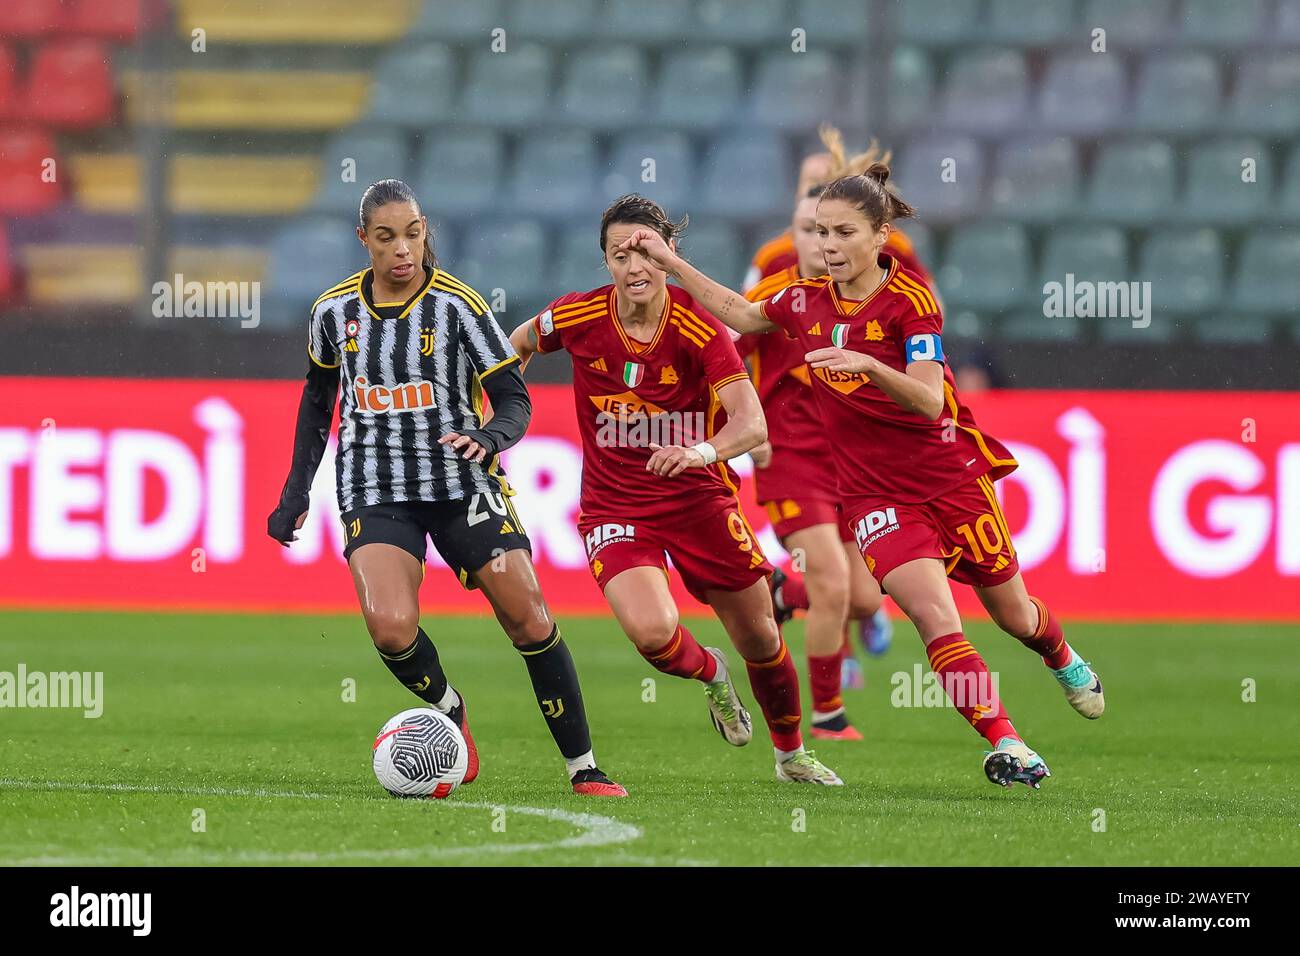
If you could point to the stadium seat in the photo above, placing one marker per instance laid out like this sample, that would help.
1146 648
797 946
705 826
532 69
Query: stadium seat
922 240
309 256
698 89
657 22
106 19
1178 93
838 22
70 84
1268 273
294 21
604 87
1089 253
716 250
414 86
276 100
743 21
106 274
1287 29
1216 192
23 155
922 174
673 169
458 20
106 182
1288 206
1267 97
555 174
508 89
911 88
796 90
234 184
1132 182
1229 329
937 22
1031 22
459 172
8 85
1129 24
554 20
1033 326
1083 93
371 154
508 255
987 267
746 176
578 266
1035 179
1185 269
986 91
31 18
1218 24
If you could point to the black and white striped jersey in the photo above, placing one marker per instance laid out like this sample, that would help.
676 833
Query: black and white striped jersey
410 373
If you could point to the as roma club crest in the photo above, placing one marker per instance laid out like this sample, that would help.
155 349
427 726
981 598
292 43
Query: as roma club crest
426 341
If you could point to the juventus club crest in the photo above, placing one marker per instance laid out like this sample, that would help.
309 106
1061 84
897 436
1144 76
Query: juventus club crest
633 374
426 341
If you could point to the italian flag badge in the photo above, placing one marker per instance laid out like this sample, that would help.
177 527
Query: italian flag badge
633 373
840 334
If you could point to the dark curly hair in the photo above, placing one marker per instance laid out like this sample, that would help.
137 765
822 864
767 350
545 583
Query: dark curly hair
641 211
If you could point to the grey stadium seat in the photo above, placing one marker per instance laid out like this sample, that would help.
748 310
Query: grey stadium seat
920 170
1132 182
1216 23
796 89
1129 24
415 85
508 89
604 87
377 152
1267 97
1031 22
986 90
1185 268
698 89
715 249
673 169
1083 93
656 22
1178 93
555 173
1035 179
460 172
743 21
986 268
911 88
747 175
309 256
838 22
1216 192
552 19
457 19
578 266
1268 272
508 255
937 22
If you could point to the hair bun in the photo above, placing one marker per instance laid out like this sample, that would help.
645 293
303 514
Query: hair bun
877 171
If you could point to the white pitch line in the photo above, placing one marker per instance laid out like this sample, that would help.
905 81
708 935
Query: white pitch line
595 830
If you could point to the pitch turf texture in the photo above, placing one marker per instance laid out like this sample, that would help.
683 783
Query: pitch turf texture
238 723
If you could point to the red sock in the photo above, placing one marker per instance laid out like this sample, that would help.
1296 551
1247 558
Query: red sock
1048 641
682 656
968 684
824 678
794 593
776 688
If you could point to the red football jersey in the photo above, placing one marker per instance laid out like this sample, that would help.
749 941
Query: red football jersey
777 255
800 464
880 450
628 394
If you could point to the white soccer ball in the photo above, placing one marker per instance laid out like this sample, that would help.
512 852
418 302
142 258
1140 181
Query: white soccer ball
420 753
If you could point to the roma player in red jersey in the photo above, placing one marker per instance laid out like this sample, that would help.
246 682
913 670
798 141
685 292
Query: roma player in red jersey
653 377
914 472
802 500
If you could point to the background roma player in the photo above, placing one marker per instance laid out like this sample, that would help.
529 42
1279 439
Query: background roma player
652 376
915 474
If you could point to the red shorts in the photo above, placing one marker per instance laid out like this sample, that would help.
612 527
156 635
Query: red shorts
712 547
964 529
794 514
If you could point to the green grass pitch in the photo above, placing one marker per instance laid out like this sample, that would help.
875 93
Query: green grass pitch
239 723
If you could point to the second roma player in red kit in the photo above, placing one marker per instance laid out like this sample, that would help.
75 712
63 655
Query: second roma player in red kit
915 475
663 401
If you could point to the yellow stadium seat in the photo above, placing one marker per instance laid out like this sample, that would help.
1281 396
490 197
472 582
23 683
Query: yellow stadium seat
295 21
216 185
106 182
250 99
113 274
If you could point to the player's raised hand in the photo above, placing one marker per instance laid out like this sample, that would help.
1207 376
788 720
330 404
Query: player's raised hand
281 525
669 460
839 360
469 446
651 245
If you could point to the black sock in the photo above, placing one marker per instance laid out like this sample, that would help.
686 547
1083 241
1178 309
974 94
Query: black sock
555 682
418 668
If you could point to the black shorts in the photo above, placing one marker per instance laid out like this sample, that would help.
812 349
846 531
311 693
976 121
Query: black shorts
468 532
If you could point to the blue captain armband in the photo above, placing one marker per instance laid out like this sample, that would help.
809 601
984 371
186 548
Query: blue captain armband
925 348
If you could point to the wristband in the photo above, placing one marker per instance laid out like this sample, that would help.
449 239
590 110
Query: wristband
707 452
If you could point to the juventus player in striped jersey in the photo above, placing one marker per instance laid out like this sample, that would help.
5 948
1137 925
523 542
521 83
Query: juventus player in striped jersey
414 350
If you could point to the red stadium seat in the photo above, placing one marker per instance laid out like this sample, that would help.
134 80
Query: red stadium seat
23 153
8 73
70 85
31 18
106 19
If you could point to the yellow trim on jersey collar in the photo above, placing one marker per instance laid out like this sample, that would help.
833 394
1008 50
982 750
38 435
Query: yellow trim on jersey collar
858 306
632 345
410 303
499 365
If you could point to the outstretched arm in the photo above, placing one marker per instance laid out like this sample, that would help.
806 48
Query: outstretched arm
315 412
730 308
